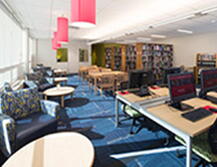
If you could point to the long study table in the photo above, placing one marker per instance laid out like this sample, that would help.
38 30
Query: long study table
167 116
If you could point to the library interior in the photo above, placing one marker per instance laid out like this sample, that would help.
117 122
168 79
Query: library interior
108 83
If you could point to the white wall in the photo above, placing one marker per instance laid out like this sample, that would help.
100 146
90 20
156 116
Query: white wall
47 56
186 48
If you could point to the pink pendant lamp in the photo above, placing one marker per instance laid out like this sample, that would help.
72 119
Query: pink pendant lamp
62 29
83 13
55 45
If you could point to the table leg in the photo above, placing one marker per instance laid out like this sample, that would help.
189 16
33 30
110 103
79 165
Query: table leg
45 97
62 101
94 85
117 111
188 151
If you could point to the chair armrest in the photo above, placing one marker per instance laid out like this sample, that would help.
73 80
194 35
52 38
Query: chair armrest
51 108
50 80
7 134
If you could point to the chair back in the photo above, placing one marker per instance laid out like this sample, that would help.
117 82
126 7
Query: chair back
212 137
93 70
107 80
105 70
122 77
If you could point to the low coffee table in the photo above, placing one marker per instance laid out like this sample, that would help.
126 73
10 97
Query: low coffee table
64 149
59 92
57 80
60 72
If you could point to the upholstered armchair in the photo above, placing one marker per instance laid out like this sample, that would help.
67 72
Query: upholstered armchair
42 82
24 117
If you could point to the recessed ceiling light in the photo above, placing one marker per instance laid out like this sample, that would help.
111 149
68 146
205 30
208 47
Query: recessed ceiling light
158 36
185 31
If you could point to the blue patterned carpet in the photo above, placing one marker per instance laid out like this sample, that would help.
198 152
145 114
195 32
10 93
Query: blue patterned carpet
93 116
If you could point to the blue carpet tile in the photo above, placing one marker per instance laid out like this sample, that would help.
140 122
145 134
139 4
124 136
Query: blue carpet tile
94 116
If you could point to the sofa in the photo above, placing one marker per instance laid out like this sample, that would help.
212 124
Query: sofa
24 117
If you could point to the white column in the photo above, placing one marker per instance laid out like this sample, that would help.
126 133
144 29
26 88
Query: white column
25 58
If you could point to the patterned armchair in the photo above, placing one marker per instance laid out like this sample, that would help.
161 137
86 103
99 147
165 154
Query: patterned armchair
42 82
24 117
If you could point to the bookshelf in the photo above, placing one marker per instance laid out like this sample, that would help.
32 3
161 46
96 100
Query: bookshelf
117 58
148 56
123 57
131 57
156 57
108 57
203 61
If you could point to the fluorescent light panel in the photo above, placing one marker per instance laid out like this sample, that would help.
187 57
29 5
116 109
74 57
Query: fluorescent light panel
158 36
209 10
185 31
143 39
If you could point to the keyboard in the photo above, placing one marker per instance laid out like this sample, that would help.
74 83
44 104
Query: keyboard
197 114
139 93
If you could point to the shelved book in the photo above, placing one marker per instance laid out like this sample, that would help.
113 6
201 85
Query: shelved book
131 57
108 57
156 57
117 58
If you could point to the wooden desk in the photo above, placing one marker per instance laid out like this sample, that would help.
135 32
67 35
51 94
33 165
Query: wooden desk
171 119
198 102
94 76
83 71
160 91
61 149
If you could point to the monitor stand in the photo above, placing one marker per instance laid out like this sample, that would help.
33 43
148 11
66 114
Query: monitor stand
181 106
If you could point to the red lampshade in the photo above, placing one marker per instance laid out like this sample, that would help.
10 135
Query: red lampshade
62 29
83 13
55 45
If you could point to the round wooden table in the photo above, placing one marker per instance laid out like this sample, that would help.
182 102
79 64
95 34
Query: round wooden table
64 149
60 71
57 80
59 91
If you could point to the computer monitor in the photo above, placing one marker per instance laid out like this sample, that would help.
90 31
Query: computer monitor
208 81
168 71
138 78
181 87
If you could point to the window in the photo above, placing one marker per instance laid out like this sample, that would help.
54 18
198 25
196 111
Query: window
13 50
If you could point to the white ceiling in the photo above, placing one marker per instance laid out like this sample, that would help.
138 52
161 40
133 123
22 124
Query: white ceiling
118 17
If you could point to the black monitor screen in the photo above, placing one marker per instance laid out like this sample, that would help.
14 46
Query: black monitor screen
169 71
208 80
181 86
139 78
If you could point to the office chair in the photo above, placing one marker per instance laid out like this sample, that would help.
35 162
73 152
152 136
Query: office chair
131 114
204 146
